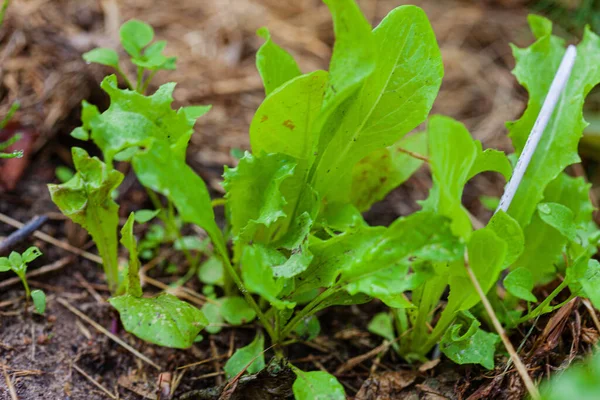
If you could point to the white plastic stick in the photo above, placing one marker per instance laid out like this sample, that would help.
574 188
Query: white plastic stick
558 85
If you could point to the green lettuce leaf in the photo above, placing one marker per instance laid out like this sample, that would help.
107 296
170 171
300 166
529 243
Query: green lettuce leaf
87 200
317 385
392 100
275 65
558 146
383 170
164 320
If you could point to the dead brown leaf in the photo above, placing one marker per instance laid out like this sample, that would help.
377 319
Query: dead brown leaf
386 385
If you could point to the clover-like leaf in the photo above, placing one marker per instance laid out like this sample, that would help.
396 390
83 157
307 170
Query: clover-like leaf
519 283
39 301
135 35
103 56
251 358
317 385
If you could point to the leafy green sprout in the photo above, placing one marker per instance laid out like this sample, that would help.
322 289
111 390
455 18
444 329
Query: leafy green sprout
11 112
137 40
18 264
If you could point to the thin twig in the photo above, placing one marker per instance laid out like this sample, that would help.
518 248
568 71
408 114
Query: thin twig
413 154
101 329
49 239
88 287
94 382
11 388
521 369
592 312
202 362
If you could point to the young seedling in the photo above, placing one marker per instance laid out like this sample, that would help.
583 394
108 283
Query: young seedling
18 264
13 109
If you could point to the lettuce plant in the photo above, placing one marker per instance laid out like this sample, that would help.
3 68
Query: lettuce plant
326 145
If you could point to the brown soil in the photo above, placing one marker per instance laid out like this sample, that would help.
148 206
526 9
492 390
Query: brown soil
47 357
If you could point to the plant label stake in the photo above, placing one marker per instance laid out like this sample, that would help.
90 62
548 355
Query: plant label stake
556 88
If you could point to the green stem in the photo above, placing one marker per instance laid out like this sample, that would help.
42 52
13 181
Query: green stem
11 141
11 111
172 226
222 251
140 76
147 82
124 77
539 310
27 290
306 311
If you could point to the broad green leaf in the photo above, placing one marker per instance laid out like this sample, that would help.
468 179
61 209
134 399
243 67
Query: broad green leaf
422 235
137 120
535 69
102 56
250 358
540 26
317 385
342 298
382 325
560 218
295 265
254 198
135 35
164 320
39 300
475 347
309 328
452 154
213 315
143 216
383 170
354 52
236 311
544 244
519 283
580 381
275 65
508 230
192 113
284 122
454 159
211 271
257 273
332 256
394 99
490 160
487 253
390 284
86 199
128 241
590 283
